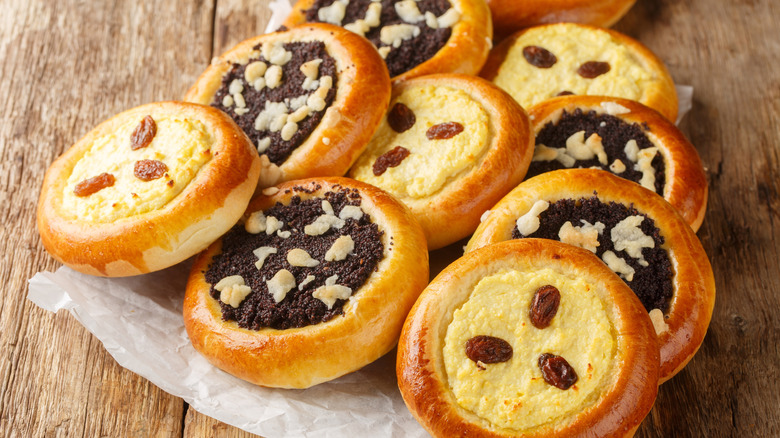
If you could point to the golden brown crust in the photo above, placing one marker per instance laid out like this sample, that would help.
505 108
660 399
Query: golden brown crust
686 183
362 94
302 357
694 286
511 15
207 207
423 381
465 51
660 96
453 212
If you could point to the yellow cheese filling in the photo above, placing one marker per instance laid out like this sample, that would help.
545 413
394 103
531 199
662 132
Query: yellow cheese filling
572 46
513 394
183 145
431 164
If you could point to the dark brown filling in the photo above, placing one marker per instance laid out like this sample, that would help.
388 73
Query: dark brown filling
411 52
614 133
299 308
652 283
290 88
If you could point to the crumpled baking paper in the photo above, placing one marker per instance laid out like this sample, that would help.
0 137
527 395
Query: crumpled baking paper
139 321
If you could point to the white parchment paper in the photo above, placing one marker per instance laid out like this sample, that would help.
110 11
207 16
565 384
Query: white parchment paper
138 320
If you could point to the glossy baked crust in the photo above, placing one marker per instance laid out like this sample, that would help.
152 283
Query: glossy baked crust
306 356
465 51
362 94
420 367
691 306
660 95
207 207
453 212
686 183
511 15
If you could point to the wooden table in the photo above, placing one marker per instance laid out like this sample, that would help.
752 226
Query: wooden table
68 65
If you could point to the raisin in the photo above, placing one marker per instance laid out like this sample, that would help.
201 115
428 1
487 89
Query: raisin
544 306
94 184
443 131
147 170
556 371
539 57
592 69
565 93
143 133
488 349
391 158
401 118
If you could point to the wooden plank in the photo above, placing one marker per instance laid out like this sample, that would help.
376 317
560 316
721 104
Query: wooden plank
67 66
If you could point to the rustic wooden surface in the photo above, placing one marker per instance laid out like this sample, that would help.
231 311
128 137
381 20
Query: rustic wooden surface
69 64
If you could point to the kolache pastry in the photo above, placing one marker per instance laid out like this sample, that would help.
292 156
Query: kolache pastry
634 231
313 283
449 148
528 338
146 189
414 37
510 16
546 61
626 138
309 98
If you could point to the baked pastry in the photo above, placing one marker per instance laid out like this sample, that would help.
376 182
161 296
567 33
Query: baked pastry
510 16
634 231
626 138
309 98
528 338
542 62
146 189
314 283
449 148
414 37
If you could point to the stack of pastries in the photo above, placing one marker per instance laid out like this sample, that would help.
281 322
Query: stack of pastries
312 169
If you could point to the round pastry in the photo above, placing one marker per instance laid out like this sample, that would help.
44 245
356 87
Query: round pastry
626 138
449 148
528 338
309 98
634 231
542 62
314 283
414 37
146 189
510 16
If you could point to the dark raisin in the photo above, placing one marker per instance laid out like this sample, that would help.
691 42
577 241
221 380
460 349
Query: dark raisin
592 69
488 349
401 118
391 158
565 93
443 131
556 371
539 57
143 133
147 170
94 184
544 306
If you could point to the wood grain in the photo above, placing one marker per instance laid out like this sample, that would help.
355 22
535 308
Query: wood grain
70 64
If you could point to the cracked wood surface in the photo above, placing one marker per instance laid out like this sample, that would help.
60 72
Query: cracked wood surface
68 65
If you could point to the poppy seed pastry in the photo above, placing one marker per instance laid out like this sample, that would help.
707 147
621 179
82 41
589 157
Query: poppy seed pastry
449 148
314 283
528 338
414 37
510 16
634 231
146 189
309 98
543 62
626 138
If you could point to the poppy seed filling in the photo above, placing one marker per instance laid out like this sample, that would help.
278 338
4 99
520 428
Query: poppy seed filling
299 306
